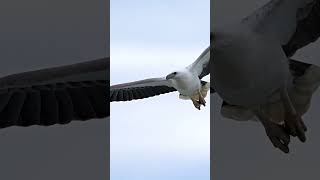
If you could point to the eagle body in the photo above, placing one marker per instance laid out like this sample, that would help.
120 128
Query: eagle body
256 68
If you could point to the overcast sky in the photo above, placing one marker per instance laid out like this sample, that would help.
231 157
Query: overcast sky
161 137
242 150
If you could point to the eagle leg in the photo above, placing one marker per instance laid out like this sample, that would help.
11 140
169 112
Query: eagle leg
293 121
195 103
201 99
276 132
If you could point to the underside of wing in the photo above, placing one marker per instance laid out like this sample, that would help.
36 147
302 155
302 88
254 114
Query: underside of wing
295 23
307 31
50 104
298 68
212 90
201 65
56 95
140 89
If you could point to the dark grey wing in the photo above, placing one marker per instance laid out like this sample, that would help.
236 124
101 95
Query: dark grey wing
201 65
295 23
56 95
298 68
212 90
307 31
140 89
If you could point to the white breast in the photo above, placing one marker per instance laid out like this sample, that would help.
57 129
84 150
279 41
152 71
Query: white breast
187 84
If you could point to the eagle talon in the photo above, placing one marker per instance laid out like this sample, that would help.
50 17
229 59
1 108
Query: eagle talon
278 136
292 120
201 101
295 126
196 104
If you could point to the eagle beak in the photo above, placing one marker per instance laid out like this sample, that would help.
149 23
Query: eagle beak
170 76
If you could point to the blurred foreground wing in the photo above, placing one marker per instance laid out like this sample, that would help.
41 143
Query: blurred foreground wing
55 95
295 23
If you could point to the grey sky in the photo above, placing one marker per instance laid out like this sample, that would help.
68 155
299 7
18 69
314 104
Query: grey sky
242 150
36 34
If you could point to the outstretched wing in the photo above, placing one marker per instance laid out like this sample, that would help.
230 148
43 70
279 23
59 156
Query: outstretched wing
307 31
140 89
201 65
56 95
296 23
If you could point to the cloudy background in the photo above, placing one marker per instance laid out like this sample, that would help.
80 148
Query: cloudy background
37 34
161 137
242 150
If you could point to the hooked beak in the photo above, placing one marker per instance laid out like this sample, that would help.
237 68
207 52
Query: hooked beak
170 76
